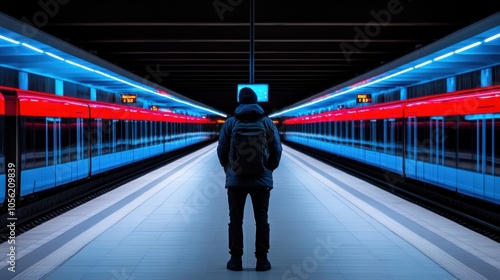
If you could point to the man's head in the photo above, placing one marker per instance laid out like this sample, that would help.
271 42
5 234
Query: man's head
247 96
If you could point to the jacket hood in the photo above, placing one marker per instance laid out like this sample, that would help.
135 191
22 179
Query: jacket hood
249 111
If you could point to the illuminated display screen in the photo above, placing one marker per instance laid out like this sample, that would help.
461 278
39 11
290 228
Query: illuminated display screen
262 91
129 98
364 98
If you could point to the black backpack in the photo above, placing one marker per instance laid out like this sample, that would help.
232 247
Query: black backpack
248 152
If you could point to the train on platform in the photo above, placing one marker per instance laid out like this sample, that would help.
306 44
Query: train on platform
48 141
448 140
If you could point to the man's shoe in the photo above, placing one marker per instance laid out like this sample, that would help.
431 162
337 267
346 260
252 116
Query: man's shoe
263 264
235 264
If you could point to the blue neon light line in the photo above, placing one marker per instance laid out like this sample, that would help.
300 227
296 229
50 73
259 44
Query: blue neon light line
9 40
343 92
54 56
79 65
444 56
492 38
110 76
423 64
481 117
31 47
390 76
187 103
468 47
162 95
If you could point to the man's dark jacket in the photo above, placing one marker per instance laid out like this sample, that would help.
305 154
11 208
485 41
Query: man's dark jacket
264 180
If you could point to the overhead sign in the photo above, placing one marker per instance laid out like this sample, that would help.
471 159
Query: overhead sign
129 98
364 98
261 90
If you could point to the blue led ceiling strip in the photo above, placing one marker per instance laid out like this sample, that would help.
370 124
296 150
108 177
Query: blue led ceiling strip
344 91
110 76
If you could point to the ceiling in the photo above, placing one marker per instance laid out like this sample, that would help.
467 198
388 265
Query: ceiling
201 49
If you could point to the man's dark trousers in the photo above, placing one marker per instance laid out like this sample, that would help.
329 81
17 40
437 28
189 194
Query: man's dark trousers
260 202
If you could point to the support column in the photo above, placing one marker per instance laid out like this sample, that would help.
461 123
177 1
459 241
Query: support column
486 77
451 84
252 44
93 94
23 80
59 87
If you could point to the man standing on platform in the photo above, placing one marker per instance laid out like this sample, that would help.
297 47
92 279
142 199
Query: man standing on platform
249 150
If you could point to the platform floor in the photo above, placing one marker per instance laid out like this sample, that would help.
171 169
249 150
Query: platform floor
325 224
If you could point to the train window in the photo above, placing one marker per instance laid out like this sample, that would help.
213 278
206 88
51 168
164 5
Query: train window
324 131
330 130
344 132
135 134
107 142
336 131
467 143
157 133
358 133
82 134
450 141
437 140
121 141
341 132
349 132
424 138
492 128
382 142
368 135
172 131
35 148
167 132
148 132
129 129
371 137
95 136
397 130
64 140
164 131
145 135
153 131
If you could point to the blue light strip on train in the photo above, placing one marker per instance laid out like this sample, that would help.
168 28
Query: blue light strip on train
482 117
110 76
344 91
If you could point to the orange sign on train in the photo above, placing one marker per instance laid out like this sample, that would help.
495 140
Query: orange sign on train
364 98
129 98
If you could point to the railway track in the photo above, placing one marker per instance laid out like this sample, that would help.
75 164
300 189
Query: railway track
52 204
480 216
